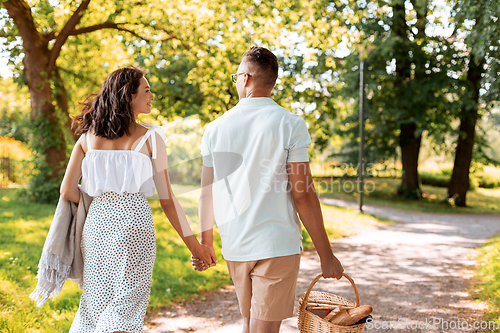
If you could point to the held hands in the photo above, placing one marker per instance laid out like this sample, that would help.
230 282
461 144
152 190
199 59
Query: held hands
332 268
204 258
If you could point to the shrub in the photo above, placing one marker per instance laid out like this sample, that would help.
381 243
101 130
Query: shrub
488 177
442 179
15 159
437 179
488 181
408 193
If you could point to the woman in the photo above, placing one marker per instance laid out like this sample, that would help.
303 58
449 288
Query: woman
120 163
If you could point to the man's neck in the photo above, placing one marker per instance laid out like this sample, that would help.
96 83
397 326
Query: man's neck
255 93
257 96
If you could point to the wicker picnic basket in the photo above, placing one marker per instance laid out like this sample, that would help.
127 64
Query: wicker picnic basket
309 322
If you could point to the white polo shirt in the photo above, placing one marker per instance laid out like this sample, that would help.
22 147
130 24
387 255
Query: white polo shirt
249 147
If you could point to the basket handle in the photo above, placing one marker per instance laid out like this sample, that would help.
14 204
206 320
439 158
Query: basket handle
316 279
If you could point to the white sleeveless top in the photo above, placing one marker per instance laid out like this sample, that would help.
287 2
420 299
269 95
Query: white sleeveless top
120 171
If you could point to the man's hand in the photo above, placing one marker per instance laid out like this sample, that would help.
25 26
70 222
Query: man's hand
199 265
332 268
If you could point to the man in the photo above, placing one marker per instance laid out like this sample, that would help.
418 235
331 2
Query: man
255 178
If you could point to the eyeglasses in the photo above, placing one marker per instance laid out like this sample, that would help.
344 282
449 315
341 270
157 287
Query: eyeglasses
235 76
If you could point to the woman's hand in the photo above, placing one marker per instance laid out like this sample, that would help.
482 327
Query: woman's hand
203 258
198 265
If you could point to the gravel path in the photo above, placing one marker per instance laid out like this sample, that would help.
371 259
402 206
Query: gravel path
416 275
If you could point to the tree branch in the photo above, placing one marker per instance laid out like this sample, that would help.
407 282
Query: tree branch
70 29
119 26
104 25
421 17
65 33
20 12
50 36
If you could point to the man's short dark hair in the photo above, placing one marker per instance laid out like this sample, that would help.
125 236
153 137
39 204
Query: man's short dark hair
266 63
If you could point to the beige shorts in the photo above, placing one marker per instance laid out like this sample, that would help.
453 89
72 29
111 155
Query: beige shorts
266 288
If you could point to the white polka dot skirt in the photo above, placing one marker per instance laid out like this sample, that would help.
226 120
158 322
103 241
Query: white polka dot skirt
119 249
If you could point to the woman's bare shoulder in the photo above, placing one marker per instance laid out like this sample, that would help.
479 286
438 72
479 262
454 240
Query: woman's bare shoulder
81 143
141 129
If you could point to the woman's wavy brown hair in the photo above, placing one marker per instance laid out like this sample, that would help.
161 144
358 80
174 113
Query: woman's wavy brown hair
109 114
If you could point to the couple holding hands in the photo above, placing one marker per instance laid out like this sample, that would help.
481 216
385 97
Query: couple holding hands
255 181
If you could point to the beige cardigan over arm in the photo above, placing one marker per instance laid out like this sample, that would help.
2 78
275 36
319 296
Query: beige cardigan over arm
62 256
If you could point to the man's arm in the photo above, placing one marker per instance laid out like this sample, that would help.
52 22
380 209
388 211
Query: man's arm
206 214
206 207
309 209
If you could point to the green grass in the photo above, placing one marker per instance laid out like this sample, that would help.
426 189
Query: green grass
23 228
488 277
382 192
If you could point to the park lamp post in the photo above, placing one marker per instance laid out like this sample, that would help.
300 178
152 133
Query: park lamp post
364 50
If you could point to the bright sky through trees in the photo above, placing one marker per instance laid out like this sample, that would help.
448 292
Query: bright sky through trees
4 69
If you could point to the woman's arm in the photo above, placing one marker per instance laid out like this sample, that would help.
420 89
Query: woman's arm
69 186
173 209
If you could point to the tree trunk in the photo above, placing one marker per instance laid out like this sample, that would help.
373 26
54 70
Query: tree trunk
408 141
62 103
459 182
36 61
52 140
410 150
